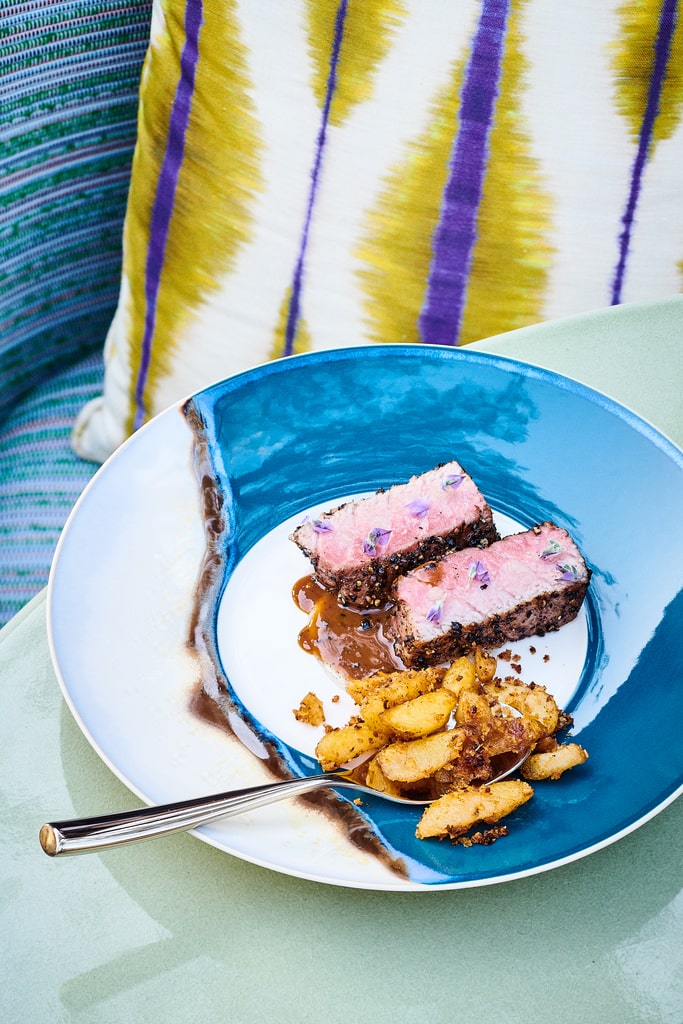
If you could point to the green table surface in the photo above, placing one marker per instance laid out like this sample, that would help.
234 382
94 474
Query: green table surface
174 930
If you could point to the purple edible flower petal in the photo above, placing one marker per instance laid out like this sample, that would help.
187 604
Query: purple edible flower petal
377 538
418 507
434 613
477 571
320 526
568 573
453 480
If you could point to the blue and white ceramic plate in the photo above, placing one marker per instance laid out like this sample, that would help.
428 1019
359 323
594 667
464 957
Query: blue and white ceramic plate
175 571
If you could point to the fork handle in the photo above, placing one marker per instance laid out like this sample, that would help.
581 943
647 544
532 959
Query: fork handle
84 835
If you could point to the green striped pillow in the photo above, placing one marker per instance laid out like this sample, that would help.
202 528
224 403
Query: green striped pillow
315 174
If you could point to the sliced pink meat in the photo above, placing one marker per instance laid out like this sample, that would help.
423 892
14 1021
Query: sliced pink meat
360 547
526 584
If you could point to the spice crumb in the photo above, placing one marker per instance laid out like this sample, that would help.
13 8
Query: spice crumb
483 838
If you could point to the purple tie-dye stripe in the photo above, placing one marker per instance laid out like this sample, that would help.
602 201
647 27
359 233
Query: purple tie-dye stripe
164 199
455 234
662 49
297 280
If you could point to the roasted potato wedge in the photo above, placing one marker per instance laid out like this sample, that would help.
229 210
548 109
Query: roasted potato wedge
360 689
455 813
484 665
460 677
376 779
412 760
403 725
551 764
397 688
474 709
339 746
534 702
498 729
419 717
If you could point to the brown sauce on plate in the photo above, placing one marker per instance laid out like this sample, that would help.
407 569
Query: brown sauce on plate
351 641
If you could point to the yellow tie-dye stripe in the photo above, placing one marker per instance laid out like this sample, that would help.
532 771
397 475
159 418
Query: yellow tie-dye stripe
395 248
512 254
368 37
221 172
632 59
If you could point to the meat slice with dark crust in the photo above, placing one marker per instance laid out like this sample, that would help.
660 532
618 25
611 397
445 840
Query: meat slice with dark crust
527 584
360 547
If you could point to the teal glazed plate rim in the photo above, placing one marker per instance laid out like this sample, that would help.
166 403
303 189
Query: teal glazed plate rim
173 580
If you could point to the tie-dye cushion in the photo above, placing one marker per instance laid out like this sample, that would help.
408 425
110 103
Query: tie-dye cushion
322 173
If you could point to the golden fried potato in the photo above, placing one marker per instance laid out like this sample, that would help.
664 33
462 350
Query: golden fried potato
419 717
550 764
455 813
412 760
404 684
474 710
509 735
339 746
498 729
460 677
534 702
397 688
360 689
402 725
484 665
376 779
